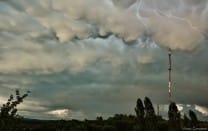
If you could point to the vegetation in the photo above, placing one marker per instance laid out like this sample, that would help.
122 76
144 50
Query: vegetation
145 120
174 117
8 114
9 109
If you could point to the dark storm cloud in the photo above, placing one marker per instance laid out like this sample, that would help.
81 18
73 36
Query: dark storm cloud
104 54
166 22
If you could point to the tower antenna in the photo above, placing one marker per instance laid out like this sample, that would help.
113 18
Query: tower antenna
169 76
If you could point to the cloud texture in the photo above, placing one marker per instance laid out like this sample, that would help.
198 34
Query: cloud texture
90 53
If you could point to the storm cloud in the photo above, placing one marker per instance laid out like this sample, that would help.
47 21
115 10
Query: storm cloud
78 55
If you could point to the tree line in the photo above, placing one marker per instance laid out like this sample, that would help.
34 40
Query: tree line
145 119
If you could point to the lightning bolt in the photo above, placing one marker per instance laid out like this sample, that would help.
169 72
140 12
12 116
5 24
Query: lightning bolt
139 17
170 15
188 22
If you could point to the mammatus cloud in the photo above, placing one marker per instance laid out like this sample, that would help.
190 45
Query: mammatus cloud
176 24
42 28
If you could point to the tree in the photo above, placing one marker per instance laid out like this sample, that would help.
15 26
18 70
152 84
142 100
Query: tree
139 109
150 117
186 121
9 109
193 118
99 118
149 110
174 117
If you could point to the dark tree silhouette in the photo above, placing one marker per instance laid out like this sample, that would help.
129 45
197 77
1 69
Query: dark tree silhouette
99 118
186 121
10 108
149 110
193 118
139 109
174 117
150 117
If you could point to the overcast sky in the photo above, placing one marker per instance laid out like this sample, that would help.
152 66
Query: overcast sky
85 58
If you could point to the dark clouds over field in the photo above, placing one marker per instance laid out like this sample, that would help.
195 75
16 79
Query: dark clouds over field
86 58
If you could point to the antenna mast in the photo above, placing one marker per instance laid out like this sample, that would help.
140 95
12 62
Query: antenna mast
169 75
